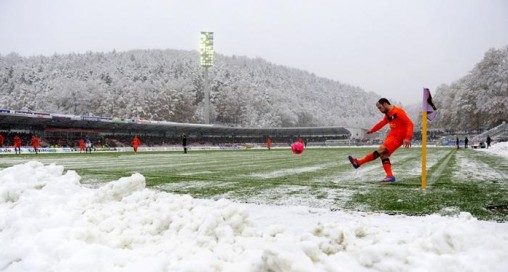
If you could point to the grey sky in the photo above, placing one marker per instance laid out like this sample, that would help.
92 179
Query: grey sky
392 48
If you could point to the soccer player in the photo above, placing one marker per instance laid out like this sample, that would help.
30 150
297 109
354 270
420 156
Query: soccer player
268 143
1 140
81 145
401 133
35 144
88 145
184 143
135 143
17 144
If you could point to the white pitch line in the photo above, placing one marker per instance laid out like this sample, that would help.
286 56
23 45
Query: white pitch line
436 174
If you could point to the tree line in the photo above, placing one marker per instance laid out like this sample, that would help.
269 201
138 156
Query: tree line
169 85
479 100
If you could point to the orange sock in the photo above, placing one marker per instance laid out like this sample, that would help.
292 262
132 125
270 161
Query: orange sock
388 167
369 157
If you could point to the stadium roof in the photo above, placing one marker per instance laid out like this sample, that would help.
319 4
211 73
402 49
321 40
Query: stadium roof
36 121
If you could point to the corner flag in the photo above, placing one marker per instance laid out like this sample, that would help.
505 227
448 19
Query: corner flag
428 112
428 105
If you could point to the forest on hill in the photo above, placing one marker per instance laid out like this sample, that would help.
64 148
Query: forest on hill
479 100
169 85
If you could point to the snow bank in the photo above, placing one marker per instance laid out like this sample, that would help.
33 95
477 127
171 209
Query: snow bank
50 222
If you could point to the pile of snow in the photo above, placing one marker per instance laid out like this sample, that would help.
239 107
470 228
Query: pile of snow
50 222
497 148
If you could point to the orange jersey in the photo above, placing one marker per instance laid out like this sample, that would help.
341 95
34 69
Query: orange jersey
35 142
401 126
17 141
81 143
136 142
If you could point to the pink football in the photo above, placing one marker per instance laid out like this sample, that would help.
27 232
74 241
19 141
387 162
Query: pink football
297 148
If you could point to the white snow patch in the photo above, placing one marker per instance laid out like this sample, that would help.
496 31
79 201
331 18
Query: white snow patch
50 222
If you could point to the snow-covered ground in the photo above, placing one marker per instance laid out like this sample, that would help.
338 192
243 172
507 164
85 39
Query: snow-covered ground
497 148
50 222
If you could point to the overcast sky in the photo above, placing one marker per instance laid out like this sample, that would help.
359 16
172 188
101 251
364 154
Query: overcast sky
392 48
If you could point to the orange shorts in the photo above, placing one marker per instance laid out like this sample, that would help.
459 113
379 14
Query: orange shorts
393 142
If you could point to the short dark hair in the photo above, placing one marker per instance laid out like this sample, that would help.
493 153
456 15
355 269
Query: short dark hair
383 100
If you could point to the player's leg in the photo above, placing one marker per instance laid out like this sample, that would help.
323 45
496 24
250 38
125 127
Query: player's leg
381 150
391 145
387 166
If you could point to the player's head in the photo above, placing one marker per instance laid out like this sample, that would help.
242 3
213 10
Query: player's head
383 105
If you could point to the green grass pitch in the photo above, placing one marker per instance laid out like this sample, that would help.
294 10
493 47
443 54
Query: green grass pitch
458 180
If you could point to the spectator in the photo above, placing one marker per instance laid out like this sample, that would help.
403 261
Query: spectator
466 140
488 141
1 140
457 142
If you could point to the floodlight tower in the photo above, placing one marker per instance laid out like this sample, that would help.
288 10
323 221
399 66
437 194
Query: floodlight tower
206 50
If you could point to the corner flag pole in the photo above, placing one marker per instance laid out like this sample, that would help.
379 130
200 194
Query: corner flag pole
428 107
424 150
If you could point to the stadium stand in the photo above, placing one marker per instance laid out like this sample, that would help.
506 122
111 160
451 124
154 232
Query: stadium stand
60 130
498 134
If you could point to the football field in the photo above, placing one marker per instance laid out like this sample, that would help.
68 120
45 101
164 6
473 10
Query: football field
458 180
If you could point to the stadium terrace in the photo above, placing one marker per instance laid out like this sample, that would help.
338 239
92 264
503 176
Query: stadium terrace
65 131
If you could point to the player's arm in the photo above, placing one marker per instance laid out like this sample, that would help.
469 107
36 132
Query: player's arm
409 128
378 126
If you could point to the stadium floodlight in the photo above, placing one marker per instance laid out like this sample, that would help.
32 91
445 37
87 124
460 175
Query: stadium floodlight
206 49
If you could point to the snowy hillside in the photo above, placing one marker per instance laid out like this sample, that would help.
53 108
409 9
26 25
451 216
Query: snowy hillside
479 100
168 85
